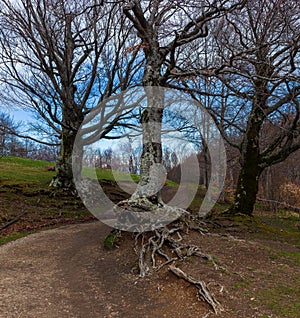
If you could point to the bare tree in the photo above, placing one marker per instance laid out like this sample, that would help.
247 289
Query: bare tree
257 79
9 143
60 58
165 28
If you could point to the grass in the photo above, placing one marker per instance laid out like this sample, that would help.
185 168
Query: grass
283 228
15 170
242 284
22 172
286 223
284 301
293 256
24 187
13 236
18 161
106 174
113 175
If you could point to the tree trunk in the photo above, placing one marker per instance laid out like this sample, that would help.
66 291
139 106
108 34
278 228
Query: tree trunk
70 153
151 179
151 169
247 186
206 164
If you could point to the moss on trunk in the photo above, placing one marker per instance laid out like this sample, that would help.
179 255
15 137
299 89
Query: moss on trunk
64 178
151 158
247 186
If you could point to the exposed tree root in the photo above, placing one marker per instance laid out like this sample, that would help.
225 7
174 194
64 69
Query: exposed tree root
141 214
159 230
203 290
13 221
165 246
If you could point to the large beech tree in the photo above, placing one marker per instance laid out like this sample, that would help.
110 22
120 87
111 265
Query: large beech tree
257 80
165 29
60 58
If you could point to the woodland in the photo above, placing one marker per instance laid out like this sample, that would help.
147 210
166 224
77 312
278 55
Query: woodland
98 72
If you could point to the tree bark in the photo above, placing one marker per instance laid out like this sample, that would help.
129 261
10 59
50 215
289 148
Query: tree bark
69 163
251 169
151 119
64 175
247 188
151 159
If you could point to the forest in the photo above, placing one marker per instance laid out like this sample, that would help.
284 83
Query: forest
161 119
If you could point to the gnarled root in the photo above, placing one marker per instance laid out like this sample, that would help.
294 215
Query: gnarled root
203 290
165 246
141 215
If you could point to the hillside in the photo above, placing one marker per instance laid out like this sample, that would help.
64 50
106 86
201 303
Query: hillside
24 192
259 258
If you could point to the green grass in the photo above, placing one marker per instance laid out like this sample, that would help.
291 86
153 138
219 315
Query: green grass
22 172
242 284
13 236
292 256
24 162
24 185
283 228
113 175
284 301
30 176
106 174
286 223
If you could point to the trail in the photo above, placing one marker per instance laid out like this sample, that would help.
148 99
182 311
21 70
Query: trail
66 272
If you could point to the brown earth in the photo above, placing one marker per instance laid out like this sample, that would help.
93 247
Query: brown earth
67 272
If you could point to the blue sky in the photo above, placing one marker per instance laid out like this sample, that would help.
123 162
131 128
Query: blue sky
18 114
21 115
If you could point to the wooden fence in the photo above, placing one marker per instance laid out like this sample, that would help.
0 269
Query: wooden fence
275 206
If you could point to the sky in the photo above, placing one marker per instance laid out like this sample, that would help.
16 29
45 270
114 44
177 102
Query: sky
21 115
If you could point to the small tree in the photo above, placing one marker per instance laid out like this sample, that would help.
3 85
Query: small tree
9 143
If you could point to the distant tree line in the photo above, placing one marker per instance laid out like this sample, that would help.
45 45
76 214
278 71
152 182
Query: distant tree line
12 145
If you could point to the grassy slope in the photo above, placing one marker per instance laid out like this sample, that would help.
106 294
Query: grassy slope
24 187
14 170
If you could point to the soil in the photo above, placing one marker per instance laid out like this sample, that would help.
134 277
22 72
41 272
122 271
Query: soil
67 272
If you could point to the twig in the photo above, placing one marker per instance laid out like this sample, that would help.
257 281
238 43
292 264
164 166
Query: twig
13 221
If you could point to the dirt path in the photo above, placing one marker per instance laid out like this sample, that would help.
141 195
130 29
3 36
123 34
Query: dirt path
66 272
62 273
